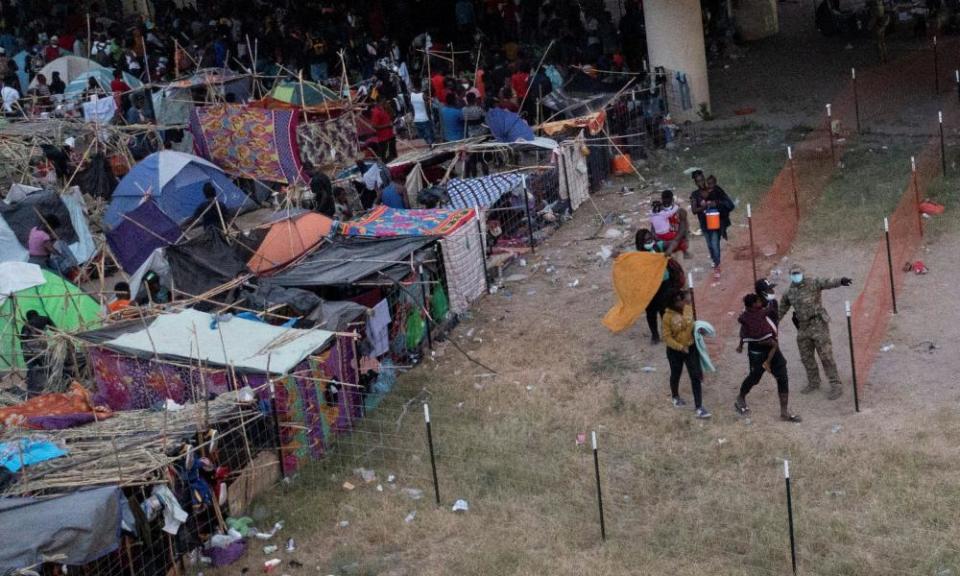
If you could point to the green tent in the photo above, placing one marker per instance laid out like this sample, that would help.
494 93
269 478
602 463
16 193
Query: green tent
306 96
69 308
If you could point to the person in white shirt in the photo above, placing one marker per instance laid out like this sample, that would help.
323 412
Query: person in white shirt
9 97
421 113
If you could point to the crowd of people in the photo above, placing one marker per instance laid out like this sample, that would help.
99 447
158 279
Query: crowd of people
670 312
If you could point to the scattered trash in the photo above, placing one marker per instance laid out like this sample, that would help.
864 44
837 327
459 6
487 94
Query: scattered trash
574 284
605 253
365 474
344 523
836 428
461 506
926 346
379 487
410 517
172 406
613 234
516 278
268 535
721 441
919 268
412 493
348 486
270 549
522 262
291 545
836 493
531 292
494 289
648 369
887 347
529 388
269 565
581 438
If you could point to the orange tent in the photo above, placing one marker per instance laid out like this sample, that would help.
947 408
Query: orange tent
289 239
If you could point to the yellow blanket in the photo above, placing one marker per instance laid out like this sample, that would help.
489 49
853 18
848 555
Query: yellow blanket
636 279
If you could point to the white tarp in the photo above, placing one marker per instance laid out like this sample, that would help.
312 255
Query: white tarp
17 276
243 344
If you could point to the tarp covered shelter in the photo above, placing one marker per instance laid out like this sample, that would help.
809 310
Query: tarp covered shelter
104 76
175 182
141 231
70 67
345 261
289 239
26 206
203 263
299 95
67 306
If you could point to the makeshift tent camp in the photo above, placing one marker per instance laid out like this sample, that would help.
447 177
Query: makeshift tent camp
460 243
24 208
140 232
299 95
481 192
175 182
173 104
25 287
288 239
203 263
70 68
77 85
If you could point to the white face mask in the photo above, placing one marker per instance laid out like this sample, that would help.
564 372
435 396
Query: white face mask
649 246
796 278
770 297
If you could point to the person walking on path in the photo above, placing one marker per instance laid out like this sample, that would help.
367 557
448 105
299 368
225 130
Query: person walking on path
813 327
713 207
758 329
672 283
682 351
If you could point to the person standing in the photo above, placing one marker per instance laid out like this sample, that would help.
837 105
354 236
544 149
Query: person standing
813 327
758 329
452 119
421 113
385 139
678 325
712 206
671 284
34 347
9 98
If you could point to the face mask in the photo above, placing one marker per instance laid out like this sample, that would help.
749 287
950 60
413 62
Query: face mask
770 297
796 278
649 246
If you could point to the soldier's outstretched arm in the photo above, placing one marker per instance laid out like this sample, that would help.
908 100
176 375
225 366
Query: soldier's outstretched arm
831 283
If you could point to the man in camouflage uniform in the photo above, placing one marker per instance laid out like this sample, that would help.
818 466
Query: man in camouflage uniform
813 327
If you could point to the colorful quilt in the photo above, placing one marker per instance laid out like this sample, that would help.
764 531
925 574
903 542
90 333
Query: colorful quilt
385 222
328 142
248 142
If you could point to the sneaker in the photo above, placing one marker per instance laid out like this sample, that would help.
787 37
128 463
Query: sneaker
703 413
679 402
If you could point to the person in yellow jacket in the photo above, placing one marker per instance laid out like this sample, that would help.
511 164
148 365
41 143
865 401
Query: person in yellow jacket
682 351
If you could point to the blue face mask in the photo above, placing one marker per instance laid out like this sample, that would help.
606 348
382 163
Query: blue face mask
796 278
649 246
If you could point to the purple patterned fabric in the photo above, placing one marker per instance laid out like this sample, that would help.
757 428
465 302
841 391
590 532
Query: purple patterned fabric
60 421
143 230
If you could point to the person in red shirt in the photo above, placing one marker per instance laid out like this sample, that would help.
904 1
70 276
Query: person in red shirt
119 88
520 80
385 139
52 50
438 83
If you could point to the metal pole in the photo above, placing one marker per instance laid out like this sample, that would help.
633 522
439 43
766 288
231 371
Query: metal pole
693 299
943 151
793 542
526 204
833 151
853 360
433 461
916 193
793 180
893 289
483 252
596 470
753 252
936 66
423 294
957 74
856 97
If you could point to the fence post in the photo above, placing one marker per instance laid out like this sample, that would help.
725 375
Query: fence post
893 288
833 152
753 252
853 360
936 66
793 543
943 150
793 180
856 97
433 461
693 298
483 252
596 470
958 82
526 205
426 307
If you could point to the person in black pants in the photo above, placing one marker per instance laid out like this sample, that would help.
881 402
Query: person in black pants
671 284
758 330
678 326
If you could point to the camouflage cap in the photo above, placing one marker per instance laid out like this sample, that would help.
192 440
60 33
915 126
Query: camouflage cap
796 269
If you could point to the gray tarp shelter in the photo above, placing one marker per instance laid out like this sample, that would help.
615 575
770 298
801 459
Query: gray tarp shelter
345 261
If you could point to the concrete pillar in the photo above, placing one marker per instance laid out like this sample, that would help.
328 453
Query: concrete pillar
675 41
756 19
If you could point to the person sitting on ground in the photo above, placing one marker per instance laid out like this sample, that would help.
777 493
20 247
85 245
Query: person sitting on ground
152 291
322 191
57 85
40 241
678 324
121 291
758 328
211 213
452 119
392 196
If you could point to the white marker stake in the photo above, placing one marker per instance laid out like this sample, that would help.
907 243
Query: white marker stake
426 413
786 469
846 307
690 280
593 439
853 73
829 111
789 153
886 224
913 164
940 116
749 212
596 472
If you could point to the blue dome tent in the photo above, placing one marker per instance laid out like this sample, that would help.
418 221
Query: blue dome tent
175 182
